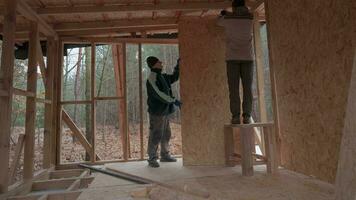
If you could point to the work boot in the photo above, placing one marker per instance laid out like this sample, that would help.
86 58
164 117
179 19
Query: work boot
235 120
246 119
153 163
167 158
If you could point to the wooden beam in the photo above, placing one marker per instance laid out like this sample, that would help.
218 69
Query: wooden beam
56 106
163 6
48 128
274 91
114 24
6 81
20 92
31 104
60 183
112 31
76 132
71 195
17 156
4 93
75 102
93 102
119 60
141 99
58 174
111 40
24 9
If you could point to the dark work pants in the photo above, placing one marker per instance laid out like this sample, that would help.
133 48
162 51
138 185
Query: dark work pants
236 70
160 133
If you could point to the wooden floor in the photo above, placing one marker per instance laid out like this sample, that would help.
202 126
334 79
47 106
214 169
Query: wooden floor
219 182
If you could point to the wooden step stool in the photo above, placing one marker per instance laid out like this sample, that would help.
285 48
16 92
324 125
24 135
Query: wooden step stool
247 147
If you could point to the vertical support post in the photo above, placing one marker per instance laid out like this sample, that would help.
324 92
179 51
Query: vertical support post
119 56
48 128
273 87
31 103
57 107
247 146
93 102
260 76
270 149
6 81
229 145
141 99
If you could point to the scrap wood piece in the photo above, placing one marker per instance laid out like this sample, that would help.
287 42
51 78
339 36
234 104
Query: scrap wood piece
15 162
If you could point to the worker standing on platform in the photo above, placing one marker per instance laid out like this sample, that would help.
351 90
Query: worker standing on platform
239 58
160 106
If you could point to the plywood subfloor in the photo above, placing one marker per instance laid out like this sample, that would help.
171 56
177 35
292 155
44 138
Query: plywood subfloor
219 182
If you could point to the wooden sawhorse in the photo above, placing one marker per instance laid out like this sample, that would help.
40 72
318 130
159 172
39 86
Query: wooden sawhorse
247 146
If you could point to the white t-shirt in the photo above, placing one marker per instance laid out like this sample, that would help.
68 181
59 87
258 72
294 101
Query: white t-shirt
239 40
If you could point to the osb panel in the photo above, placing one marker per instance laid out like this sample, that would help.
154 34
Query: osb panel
346 176
203 91
312 57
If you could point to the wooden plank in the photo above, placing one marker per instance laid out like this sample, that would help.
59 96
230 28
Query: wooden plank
114 31
24 93
75 102
25 10
6 82
247 144
31 104
43 197
141 99
108 98
274 91
56 108
66 173
76 132
163 6
119 56
60 183
45 101
123 23
48 118
229 145
93 102
111 40
17 156
71 195
272 164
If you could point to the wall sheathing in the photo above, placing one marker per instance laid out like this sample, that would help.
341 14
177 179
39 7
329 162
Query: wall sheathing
203 91
312 53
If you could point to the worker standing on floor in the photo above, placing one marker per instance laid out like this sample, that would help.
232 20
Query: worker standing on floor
160 106
239 58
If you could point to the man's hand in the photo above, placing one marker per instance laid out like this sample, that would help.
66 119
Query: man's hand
178 103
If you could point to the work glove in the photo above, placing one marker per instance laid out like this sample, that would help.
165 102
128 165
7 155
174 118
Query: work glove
178 103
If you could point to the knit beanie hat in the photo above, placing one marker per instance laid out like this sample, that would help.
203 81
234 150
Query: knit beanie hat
151 61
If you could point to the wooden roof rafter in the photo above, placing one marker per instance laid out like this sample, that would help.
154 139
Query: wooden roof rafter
163 6
24 9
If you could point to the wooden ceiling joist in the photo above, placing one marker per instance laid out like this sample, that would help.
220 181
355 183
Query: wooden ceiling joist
114 31
112 40
163 6
24 9
115 24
